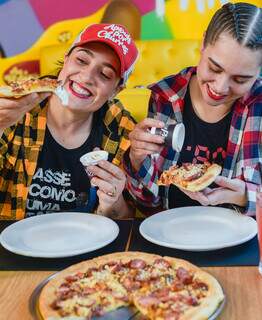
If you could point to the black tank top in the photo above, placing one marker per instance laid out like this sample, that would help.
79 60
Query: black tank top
203 142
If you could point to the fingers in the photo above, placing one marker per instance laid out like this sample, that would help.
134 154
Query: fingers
232 184
12 110
31 100
144 143
24 103
141 132
198 196
109 190
149 123
109 179
139 137
107 171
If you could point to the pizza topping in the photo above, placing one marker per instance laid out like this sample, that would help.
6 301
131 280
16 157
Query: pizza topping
148 300
162 263
137 264
184 276
130 284
74 277
189 176
200 285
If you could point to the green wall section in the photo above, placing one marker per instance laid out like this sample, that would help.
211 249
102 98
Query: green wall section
154 28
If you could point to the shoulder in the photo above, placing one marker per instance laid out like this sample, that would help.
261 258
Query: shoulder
173 84
117 116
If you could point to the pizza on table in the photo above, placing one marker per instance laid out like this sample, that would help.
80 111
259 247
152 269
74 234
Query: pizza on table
160 288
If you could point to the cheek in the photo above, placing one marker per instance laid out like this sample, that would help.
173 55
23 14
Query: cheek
241 90
106 89
203 74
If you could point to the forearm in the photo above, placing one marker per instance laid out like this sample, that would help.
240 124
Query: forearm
142 185
121 209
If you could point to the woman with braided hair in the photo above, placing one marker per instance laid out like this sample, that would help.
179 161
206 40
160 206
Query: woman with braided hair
220 104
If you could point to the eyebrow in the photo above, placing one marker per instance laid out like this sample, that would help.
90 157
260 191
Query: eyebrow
237 75
91 54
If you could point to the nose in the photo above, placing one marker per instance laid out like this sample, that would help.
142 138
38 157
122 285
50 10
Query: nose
87 74
221 85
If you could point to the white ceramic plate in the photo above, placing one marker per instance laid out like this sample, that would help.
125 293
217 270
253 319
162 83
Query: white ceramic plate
61 234
198 228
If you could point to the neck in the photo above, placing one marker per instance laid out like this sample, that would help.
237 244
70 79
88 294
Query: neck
69 128
204 111
63 118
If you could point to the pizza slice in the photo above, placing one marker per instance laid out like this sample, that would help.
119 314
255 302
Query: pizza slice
190 177
184 292
82 292
19 89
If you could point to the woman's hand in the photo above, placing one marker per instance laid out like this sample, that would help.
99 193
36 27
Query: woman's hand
143 142
231 191
110 181
12 110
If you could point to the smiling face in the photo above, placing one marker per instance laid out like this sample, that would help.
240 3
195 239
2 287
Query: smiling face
227 71
91 74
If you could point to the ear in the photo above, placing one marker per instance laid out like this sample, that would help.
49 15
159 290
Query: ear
118 89
65 57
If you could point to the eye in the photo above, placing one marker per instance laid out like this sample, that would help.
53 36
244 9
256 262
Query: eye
240 80
215 70
80 60
105 76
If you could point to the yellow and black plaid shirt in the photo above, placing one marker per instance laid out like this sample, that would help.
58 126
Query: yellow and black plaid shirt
21 144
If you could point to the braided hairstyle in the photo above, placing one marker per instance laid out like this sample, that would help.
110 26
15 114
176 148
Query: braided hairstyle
243 21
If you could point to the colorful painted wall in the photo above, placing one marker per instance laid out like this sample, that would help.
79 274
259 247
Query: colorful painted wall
22 22
28 28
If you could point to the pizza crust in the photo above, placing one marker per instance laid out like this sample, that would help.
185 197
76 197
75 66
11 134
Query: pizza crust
201 183
47 295
214 296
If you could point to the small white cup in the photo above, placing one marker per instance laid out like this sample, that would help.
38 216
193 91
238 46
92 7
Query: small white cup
174 135
92 158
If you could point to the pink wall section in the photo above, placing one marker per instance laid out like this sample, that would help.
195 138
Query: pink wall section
50 11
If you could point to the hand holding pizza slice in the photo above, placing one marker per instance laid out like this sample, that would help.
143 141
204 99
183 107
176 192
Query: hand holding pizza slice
190 177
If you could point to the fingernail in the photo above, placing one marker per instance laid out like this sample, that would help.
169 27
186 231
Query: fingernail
93 183
34 96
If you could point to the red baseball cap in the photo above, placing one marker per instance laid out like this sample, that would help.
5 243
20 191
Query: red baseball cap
118 38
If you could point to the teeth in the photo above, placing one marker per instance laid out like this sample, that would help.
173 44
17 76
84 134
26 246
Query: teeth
80 90
214 93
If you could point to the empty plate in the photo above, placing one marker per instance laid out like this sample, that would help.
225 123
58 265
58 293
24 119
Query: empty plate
198 228
60 234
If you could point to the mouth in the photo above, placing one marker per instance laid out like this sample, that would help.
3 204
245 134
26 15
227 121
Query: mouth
214 95
79 91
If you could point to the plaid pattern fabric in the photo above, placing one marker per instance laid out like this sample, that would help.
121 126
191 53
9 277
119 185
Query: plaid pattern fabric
244 149
20 146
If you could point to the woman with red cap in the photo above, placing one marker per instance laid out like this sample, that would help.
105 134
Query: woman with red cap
43 140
